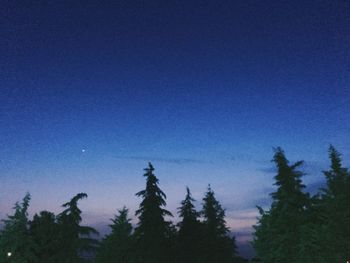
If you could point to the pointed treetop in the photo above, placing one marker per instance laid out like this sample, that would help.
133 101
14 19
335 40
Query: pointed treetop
279 155
122 216
150 168
209 188
335 157
26 200
187 209
338 177
188 193
152 194
121 222
285 171
214 214
289 183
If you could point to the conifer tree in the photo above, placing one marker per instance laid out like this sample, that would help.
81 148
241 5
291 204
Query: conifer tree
278 231
16 243
217 246
189 236
75 240
116 247
152 232
44 231
214 215
335 210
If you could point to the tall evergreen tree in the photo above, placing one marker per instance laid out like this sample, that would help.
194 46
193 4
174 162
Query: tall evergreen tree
190 229
75 240
116 247
16 243
152 232
217 246
335 210
279 230
44 231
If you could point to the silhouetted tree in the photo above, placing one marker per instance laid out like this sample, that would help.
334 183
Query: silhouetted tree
75 240
278 231
45 231
116 247
190 232
15 238
335 211
152 241
217 246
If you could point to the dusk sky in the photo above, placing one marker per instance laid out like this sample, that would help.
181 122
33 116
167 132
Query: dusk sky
90 91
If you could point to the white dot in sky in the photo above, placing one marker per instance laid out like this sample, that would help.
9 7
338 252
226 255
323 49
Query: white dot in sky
83 150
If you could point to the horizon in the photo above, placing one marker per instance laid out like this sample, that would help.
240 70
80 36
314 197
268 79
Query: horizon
240 217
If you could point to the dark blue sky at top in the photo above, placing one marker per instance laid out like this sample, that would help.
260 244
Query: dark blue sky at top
204 89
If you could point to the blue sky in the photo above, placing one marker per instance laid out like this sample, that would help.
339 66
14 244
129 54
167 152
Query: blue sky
202 89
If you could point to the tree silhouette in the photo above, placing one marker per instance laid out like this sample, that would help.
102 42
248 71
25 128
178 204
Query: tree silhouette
335 210
116 247
75 239
152 244
278 231
217 246
44 231
190 232
296 228
15 238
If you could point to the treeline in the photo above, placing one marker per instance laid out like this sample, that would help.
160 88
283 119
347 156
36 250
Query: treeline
300 228
47 237
200 236
297 228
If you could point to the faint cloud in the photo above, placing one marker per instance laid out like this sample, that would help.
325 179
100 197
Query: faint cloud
159 159
244 214
309 167
264 200
241 157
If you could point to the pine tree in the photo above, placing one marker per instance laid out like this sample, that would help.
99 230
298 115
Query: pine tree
190 230
335 210
214 215
152 232
16 243
279 230
217 246
75 240
44 231
116 247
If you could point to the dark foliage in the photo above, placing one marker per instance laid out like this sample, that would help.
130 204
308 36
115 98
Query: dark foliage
117 246
153 232
16 243
279 230
298 228
217 245
75 240
190 232
45 231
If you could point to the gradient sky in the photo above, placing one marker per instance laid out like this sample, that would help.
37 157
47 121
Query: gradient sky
202 89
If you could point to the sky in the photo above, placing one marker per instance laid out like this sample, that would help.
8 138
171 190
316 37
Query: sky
91 91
